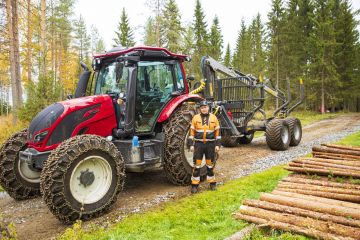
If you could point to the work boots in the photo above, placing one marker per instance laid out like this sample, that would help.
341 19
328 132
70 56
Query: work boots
213 186
194 188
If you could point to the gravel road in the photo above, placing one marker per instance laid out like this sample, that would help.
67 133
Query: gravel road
147 190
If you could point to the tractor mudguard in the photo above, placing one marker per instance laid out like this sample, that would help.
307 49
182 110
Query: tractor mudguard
174 103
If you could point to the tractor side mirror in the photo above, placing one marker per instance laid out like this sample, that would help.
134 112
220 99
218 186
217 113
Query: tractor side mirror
96 64
190 78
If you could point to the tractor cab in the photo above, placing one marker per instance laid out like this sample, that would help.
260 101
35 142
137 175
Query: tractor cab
141 82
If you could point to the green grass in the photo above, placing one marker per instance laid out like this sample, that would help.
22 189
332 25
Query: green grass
352 139
206 215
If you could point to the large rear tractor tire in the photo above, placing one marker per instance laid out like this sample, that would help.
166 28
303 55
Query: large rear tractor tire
178 161
295 130
246 139
229 141
18 180
278 135
82 178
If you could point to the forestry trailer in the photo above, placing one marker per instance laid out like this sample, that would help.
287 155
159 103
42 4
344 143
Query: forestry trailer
137 117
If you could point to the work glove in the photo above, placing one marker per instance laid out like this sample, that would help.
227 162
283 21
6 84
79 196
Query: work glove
217 148
192 148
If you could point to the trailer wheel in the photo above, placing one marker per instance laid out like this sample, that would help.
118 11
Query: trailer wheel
228 141
18 180
246 139
295 131
278 134
178 160
82 178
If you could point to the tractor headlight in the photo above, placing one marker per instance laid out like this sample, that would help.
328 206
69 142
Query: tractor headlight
40 137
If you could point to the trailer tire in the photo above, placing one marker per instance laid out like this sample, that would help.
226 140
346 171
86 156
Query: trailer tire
246 139
72 193
278 134
228 141
19 185
295 130
177 165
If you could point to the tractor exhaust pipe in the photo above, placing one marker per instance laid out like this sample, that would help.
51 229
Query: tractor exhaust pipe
83 82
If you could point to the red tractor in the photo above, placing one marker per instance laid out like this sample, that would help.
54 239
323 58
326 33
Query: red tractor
75 152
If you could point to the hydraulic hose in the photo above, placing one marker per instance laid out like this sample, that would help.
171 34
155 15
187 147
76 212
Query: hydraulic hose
199 89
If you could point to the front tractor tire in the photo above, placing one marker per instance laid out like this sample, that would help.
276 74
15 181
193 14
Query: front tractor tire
278 134
82 178
178 161
18 180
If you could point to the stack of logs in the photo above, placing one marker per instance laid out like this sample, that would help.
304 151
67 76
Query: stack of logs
314 205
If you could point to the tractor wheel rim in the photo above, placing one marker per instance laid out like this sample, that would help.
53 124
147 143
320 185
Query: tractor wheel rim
285 135
189 155
28 174
98 177
297 132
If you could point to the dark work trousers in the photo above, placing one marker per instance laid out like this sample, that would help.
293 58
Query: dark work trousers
201 149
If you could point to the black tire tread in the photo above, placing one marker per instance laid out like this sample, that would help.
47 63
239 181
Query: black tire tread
8 179
292 121
52 184
245 140
175 130
273 135
228 141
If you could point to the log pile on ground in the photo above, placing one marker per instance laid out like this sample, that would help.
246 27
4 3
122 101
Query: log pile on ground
320 199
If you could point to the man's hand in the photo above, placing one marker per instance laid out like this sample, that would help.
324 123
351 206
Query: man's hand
192 148
217 148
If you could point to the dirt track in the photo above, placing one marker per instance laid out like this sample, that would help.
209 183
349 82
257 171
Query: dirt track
142 191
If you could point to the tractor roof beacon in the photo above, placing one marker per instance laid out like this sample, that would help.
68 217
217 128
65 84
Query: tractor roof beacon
75 152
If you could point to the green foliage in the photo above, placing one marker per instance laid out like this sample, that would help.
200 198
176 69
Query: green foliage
242 55
150 33
227 57
206 215
7 230
352 140
40 95
215 40
124 34
8 128
82 44
201 38
171 29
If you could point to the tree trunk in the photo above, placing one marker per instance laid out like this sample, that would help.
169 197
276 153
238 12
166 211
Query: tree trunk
317 182
28 41
323 226
289 227
337 196
43 37
319 200
311 205
319 188
302 212
16 89
352 148
322 93
323 172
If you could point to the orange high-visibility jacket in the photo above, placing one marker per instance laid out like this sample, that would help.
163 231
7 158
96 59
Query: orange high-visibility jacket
205 129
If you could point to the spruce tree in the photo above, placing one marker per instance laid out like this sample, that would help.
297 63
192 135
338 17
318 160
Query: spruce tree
124 34
171 30
201 37
256 30
323 68
216 40
227 57
242 54
150 34
188 48
82 39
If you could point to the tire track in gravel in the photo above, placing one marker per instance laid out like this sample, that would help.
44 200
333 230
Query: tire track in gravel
147 190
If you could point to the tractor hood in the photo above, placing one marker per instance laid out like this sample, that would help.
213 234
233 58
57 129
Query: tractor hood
62 120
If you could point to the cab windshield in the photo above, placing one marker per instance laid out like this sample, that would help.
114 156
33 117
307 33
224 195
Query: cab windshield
112 78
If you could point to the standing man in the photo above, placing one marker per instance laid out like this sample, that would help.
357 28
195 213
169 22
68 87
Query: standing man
204 140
